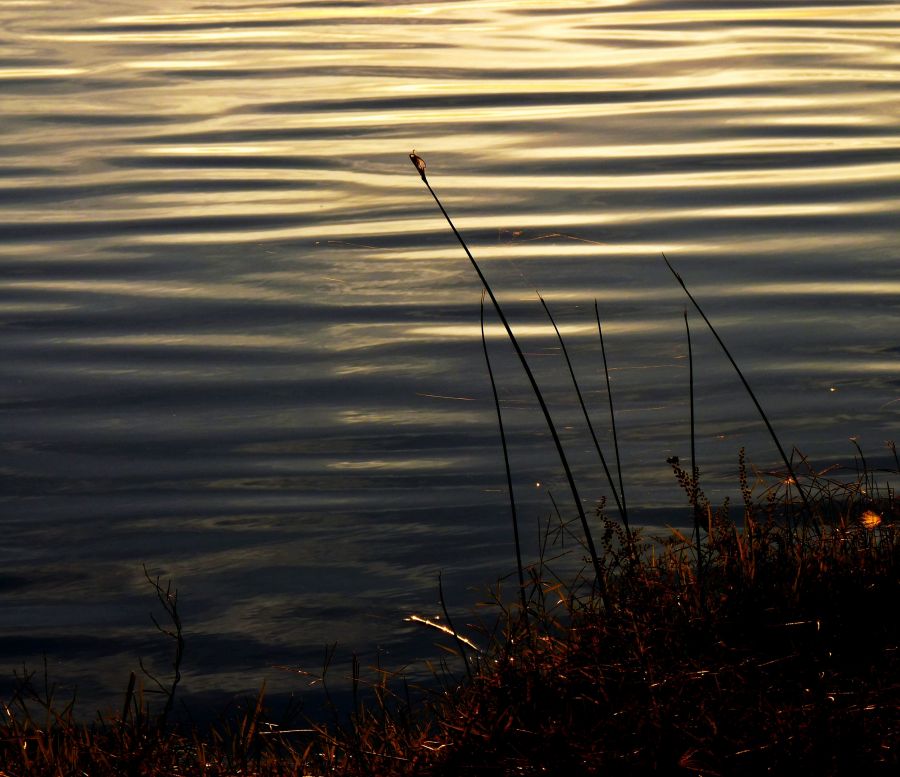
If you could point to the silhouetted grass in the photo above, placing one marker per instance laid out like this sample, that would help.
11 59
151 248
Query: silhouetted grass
783 659
419 164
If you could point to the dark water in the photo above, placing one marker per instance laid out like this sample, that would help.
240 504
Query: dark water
239 344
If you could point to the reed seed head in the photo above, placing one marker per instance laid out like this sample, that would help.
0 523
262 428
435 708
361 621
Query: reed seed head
418 162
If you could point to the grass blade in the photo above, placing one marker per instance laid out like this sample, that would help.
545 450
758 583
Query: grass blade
740 374
695 470
512 497
453 631
612 418
419 164
587 418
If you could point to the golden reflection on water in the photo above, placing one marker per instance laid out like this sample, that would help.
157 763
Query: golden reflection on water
39 72
821 288
710 148
215 249
750 178
229 291
519 113
857 367
393 464
568 331
446 415
166 340
284 15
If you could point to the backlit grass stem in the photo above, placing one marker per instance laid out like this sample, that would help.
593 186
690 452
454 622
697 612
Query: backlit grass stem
419 164
695 470
612 418
587 418
762 413
509 484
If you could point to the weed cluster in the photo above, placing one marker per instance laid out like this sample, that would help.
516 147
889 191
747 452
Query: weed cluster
783 659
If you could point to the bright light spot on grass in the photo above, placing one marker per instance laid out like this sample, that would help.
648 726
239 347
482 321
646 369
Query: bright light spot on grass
870 519
440 627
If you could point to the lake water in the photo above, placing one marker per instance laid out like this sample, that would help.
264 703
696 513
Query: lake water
240 345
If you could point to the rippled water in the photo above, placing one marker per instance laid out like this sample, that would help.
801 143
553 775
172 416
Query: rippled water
241 346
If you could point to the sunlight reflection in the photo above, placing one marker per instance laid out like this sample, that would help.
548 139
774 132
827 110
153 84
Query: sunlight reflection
158 289
568 331
237 331
182 64
194 340
856 367
443 415
708 148
39 72
842 288
555 110
394 464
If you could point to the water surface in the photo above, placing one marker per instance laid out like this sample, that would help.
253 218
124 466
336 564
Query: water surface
240 345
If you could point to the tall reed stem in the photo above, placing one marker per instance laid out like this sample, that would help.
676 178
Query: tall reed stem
695 470
419 164
762 413
587 418
509 484
612 417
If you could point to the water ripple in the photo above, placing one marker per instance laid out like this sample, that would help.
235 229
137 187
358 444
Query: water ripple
236 331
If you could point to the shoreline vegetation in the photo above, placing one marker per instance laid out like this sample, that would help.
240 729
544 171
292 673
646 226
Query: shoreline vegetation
765 640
